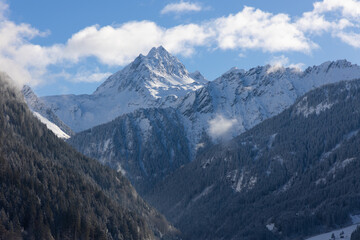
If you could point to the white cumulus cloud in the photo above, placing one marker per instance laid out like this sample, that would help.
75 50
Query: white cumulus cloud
118 45
348 8
255 29
113 45
181 7
22 60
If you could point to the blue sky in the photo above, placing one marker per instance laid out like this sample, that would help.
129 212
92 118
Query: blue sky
61 47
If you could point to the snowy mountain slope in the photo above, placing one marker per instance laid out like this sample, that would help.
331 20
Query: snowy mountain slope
155 80
291 176
238 100
222 109
51 126
45 114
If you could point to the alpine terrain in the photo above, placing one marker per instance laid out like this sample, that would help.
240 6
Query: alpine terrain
222 109
180 120
169 132
291 176
155 80
238 100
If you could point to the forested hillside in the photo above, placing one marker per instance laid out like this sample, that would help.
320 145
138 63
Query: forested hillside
49 191
145 145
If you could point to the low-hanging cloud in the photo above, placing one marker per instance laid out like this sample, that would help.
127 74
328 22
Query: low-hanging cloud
117 45
279 63
220 127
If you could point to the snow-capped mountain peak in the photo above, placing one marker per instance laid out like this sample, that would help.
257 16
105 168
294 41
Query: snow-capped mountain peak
160 59
155 80
159 73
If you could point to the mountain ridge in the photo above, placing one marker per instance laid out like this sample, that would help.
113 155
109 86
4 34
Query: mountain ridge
40 108
155 80
291 176
222 109
246 98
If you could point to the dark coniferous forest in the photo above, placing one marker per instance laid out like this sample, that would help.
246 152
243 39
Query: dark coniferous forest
50 191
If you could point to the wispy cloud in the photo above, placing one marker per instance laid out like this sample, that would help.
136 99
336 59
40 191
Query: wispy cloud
4 8
82 75
339 18
351 38
181 7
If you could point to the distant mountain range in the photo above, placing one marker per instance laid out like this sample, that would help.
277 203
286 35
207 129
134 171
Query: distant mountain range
222 109
238 100
291 176
169 132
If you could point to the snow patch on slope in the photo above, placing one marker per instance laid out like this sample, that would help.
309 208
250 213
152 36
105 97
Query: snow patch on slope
346 236
205 192
37 105
270 226
51 126
306 110
244 181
